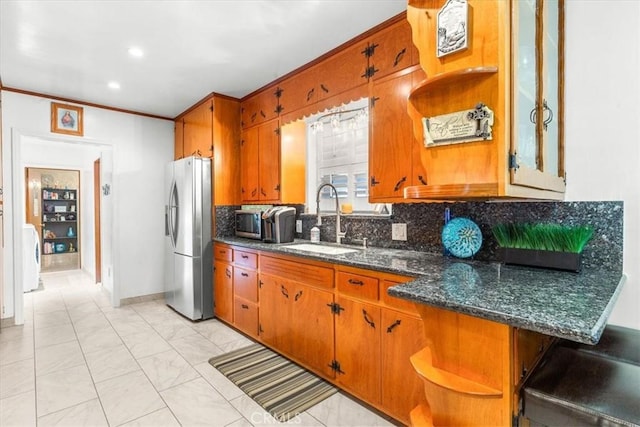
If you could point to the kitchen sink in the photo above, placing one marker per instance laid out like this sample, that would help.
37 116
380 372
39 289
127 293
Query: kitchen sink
322 249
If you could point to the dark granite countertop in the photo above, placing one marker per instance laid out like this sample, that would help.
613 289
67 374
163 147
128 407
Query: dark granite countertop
574 306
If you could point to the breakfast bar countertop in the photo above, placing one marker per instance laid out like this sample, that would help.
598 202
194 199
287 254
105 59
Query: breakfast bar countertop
574 306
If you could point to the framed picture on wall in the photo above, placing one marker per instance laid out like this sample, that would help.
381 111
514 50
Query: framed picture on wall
66 119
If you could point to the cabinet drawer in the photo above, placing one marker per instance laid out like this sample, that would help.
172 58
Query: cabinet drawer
245 316
358 285
223 253
246 259
245 283
309 274
399 303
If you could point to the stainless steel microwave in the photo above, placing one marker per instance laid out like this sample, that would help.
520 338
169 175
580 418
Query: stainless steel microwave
249 224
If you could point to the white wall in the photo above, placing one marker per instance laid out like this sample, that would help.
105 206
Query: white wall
140 148
602 89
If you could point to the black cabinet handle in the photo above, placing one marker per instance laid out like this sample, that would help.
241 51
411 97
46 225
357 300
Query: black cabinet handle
243 274
298 295
399 183
228 273
356 282
244 256
422 180
393 326
262 192
399 57
365 315
310 94
324 88
245 306
284 291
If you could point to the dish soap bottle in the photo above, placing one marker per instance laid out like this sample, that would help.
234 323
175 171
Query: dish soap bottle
315 235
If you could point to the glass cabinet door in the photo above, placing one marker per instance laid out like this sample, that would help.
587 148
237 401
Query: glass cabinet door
536 144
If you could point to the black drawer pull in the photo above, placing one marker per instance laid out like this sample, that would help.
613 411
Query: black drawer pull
356 282
243 274
245 306
244 256
366 318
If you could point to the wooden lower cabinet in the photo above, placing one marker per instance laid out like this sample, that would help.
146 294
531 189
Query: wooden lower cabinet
296 319
223 290
358 335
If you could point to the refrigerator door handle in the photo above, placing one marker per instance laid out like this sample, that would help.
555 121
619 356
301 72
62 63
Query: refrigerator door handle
174 204
166 220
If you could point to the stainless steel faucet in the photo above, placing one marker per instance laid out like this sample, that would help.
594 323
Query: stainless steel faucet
339 233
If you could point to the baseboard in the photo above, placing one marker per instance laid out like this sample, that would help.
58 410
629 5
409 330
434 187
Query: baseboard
142 298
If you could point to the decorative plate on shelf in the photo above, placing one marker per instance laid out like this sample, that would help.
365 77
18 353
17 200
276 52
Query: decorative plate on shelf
461 237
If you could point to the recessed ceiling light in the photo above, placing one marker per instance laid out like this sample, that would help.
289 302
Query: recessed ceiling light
114 85
136 51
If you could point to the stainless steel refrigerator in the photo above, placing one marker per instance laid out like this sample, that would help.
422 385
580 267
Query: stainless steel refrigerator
188 247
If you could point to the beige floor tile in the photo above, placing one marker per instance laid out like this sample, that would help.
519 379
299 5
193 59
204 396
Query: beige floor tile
17 378
340 410
222 384
90 323
16 350
196 348
197 403
51 318
128 397
109 363
167 369
55 335
63 389
256 415
125 326
58 357
18 410
172 329
16 332
161 418
99 339
145 343
85 414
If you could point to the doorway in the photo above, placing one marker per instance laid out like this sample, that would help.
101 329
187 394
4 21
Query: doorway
53 204
51 152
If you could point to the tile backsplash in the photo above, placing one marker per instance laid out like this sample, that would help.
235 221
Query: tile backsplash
425 221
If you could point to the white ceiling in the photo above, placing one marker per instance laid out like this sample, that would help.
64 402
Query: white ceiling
72 49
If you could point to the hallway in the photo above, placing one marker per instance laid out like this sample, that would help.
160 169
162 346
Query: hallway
79 362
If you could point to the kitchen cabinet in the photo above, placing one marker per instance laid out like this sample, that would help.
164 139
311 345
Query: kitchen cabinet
223 283
394 162
260 107
482 74
245 292
295 311
298 91
391 50
260 163
212 129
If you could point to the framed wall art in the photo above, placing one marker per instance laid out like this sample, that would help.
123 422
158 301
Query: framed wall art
66 119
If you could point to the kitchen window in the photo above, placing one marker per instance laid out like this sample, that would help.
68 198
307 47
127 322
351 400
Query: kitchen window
338 153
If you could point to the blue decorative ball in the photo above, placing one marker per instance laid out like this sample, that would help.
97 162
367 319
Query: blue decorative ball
462 237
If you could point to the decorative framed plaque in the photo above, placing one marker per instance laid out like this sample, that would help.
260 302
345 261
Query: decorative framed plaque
452 27
461 126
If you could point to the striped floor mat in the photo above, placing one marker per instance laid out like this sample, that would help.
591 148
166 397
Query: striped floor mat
281 387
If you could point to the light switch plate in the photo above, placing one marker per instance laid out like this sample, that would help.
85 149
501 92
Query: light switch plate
399 231
298 226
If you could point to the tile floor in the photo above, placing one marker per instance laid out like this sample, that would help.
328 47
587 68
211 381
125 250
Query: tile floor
79 362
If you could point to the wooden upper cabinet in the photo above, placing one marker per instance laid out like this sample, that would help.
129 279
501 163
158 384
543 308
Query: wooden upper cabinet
299 91
260 160
260 108
226 151
178 148
197 134
391 50
391 141
520 159
341 72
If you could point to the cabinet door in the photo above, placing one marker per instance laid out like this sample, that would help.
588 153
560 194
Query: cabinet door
537 143
178 147
402 388
342 71
260 108
226 155
245 316
358 348
391 139
392 50
275 312
299 90
223 291
312 327
249 178
198 130
269 161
